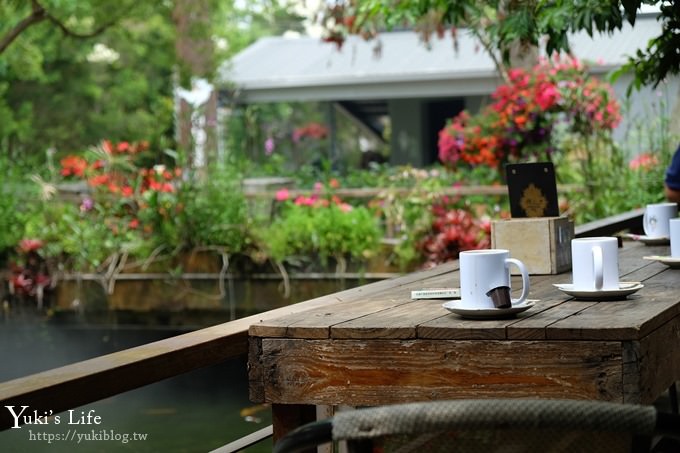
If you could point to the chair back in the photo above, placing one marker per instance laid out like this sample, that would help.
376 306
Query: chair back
495 425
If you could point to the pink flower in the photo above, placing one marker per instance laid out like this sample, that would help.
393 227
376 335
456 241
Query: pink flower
86 205
269 146
547 96
282 195
306 201
644 161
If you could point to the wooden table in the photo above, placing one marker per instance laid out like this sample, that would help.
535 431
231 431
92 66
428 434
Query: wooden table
376 346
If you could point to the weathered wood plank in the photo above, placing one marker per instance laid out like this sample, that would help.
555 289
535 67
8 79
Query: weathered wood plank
631 372
287 417
255 377
453 327
356 372
398 323
625 320
535 327
659 364
309 323
316 323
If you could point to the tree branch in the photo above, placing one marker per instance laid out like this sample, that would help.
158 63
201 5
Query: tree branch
37 15
68 32
491 51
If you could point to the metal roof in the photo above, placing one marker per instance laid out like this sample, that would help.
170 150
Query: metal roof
305 68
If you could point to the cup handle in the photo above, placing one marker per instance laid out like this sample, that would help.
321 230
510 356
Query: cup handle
598 267
647 226
525 280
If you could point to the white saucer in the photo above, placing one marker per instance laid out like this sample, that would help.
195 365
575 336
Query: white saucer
650 240
667 260
455 306
625 289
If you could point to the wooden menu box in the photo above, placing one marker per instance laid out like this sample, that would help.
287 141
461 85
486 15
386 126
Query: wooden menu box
543 244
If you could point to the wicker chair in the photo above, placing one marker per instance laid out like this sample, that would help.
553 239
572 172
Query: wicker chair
488 426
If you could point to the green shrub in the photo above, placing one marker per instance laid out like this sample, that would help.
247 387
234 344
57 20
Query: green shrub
327 231
216 212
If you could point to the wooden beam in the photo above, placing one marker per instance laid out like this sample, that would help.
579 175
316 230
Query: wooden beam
611 225
371 192
246 441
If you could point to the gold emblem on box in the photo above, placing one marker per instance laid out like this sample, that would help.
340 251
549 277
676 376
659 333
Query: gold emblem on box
533 201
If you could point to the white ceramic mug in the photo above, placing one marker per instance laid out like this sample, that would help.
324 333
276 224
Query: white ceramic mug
674 226
595 263
656 217
484 270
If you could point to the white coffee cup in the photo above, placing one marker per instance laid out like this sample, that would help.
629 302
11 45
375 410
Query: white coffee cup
484 270
656 217
674 226
595 263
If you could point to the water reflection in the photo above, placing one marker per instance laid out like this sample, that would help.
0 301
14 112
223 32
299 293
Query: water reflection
195 412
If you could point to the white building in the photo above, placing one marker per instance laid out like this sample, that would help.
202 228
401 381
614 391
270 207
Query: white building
416 87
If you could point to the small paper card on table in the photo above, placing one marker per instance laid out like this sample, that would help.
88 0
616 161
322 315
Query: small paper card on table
436 293
532 189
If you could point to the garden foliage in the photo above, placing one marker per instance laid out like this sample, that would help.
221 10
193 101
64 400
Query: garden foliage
135 200
530 114
322 225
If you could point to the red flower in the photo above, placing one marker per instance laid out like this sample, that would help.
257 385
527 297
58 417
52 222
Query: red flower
311 130
127 191
98 180
73 166
30 245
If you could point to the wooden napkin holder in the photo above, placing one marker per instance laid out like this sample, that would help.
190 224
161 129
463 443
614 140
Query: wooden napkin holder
543 244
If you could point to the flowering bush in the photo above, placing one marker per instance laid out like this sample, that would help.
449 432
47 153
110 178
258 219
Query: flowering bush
316 131
525 114
30 277
135 207
130 199
643 162
453 230
321 224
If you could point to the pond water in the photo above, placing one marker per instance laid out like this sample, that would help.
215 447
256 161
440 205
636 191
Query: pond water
195 412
